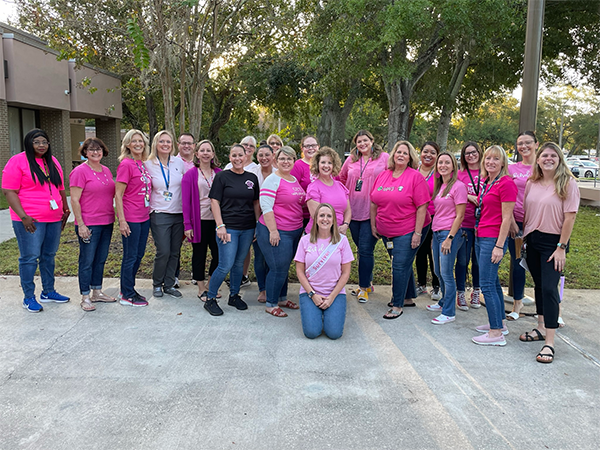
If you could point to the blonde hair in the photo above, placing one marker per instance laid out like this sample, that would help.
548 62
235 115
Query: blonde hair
154 150
494 150
125 152
314 231
286 150
214 162
439 181
335 159
562 176
375 149
414 157
275 138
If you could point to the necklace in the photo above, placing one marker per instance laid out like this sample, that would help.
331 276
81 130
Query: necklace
212 177
105 182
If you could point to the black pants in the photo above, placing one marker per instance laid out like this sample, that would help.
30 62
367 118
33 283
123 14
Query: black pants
423 254
539 248
208 240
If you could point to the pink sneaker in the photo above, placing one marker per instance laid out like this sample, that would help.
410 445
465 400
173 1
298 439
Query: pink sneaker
486 339
485 328
434 307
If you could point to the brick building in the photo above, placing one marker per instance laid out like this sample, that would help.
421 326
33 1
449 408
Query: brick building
38 91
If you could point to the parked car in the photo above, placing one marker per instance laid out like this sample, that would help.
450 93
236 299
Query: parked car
587 168
573 168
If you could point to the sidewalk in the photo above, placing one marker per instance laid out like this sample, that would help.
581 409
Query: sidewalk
170 376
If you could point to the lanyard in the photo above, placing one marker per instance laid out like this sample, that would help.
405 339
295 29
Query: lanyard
146 178
488 190
429 176
362 169
167 179
212 177
475 186
46 171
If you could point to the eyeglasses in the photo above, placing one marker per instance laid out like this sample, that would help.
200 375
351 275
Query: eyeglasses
520 144
43 142
273 143
282 159
184 144
248 146
467 154
94 150
310 145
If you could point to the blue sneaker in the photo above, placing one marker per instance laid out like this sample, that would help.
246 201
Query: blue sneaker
53 297
31 305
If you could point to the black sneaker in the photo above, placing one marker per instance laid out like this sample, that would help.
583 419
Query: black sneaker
237 302
172 292
213 307
245 281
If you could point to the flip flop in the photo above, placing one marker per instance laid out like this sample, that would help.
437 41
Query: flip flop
540 355
87 305
531 338
203 296
391 314
289 304
277 312
102 297
406 305
513 316
561 323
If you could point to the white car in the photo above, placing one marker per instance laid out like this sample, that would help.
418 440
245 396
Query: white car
587 169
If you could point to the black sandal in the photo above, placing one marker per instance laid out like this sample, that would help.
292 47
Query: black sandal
542 355
531 338
203 296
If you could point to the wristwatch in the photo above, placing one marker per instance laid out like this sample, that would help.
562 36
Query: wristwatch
563 246
450 236
310 294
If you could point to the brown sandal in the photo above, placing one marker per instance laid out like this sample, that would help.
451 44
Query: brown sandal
86 304
277 312
102 297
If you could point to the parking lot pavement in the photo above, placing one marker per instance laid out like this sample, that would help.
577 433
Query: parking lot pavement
170 376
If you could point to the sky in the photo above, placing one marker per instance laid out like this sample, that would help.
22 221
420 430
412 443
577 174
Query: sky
8 10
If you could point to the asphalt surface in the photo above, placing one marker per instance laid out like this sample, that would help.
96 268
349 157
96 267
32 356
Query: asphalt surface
169 376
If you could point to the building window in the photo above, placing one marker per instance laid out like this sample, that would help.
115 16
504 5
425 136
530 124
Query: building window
20 122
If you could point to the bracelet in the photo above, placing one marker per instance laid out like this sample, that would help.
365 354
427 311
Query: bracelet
419 234
220 226
345 223
497 246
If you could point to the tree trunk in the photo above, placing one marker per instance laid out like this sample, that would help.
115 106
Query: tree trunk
151 110
166 80
324 127
398 94
195 106
223 103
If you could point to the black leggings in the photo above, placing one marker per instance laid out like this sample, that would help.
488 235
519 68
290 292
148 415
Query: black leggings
539 248
208 240
421 261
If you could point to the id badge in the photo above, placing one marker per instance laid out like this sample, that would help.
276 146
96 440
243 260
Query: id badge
146 201
53 205
168 196
389 245
359 184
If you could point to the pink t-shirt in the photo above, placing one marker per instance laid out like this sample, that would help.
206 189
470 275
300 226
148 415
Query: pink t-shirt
187 165
520 172
397 200
204 185
301 171
445 207
502 191
463 175
139 184
360 201
98 192
544 210
336 195
285 200
324 281
430 179
35 198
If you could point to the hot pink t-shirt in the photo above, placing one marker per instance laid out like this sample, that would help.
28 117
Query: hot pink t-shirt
139 183
544 210
463 175
285 200
324 281
35 198
336 195
520 173
445 207
98 192
360 201
301 171
397 200
504 190
430 179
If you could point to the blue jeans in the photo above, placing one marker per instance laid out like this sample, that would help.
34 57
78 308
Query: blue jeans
466 253
260 267
134 248
365 244
278 259
444 268
518 272
37 247
231 260
403 256
490 282
316 320
92 257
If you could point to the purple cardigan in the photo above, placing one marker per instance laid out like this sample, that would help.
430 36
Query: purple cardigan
190 195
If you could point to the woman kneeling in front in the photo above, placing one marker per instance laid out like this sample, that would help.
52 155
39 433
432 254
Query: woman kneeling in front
323 263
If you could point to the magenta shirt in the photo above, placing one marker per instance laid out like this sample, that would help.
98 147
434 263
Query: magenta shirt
35 198
504 190
301 171
520 173
445 207
397 200
139 183
336 195
98 192
431 184
469 220
285 199
360 201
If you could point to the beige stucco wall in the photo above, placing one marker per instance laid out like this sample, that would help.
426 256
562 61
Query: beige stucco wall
105 100
2 88
35 78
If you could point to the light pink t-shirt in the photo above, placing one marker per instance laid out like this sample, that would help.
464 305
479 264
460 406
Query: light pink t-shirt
324 281
360 201
336 195
520 172
98 192
469 220
35 198
285 200
502 191
139 183
397 200
187 165
204 185
173 173
445 207
545 211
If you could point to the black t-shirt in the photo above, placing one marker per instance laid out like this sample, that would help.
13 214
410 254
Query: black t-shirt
236 193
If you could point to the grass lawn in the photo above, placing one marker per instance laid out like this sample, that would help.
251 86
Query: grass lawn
583 261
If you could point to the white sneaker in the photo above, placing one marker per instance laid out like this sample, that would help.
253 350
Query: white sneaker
442 319
434 307
436 294
421 290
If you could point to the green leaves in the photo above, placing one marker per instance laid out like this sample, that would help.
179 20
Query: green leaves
140 52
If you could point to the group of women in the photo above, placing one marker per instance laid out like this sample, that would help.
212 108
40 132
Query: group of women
422 206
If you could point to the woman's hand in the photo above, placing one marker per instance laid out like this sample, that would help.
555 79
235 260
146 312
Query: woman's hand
446 246
374 231
514 229
124 228
473 199
84 232
222 235
497 255
29 224
189 234
327 301
343 228
318 300
559 256
65 217
415 240
274 238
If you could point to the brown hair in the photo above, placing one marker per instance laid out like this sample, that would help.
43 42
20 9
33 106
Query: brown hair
214 162
93 140
438 180
376 149
463 160
562 176
335 159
